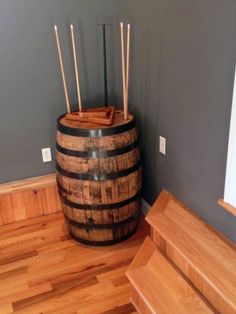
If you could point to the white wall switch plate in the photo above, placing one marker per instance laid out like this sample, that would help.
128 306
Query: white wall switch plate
162 145
46 154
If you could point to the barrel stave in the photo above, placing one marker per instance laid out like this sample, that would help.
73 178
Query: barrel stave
99 192
110 142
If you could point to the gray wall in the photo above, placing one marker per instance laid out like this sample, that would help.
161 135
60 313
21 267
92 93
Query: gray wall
182 80
183 56
31 92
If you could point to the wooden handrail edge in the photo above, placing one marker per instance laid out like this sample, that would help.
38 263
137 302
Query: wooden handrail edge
229 208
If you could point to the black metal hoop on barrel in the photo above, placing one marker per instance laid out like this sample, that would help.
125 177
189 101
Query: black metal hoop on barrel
97 153
95 132
96 207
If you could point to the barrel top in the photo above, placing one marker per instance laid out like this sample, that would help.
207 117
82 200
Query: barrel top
78 128
118 120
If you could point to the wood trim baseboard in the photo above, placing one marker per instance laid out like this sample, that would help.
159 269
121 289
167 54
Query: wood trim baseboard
28 198
28 184
229 208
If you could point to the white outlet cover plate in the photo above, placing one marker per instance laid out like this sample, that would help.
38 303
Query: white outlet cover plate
46 154
162 145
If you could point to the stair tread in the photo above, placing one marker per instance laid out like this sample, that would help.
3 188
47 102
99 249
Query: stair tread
211 256
161 287
143 255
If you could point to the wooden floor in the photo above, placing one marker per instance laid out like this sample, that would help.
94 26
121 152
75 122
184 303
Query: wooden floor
42 270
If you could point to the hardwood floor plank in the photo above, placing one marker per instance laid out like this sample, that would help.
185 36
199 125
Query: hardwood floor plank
111 275
16 256
25 293
6 291
29 225
124 309
6 308
62 298
42 270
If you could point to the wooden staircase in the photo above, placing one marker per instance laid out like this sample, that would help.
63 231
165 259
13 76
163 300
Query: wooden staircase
185 267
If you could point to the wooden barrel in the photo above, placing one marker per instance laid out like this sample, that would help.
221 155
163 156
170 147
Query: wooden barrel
99 179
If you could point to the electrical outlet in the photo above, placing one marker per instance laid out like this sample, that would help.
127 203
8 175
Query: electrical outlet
162 145
46 154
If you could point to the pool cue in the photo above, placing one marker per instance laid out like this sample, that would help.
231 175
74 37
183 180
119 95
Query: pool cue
62 69
127 71
76 68
105 63
123 68
104 41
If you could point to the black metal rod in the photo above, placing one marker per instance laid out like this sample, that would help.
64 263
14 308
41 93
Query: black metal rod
105 65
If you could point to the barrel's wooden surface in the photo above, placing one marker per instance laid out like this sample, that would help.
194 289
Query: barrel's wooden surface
99 179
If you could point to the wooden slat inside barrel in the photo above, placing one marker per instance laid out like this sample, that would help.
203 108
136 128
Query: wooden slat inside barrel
99 179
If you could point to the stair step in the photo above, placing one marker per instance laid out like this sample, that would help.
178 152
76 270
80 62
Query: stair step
159 287
206 258
143 255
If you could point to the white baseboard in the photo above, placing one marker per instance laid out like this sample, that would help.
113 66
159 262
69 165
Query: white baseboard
145 206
